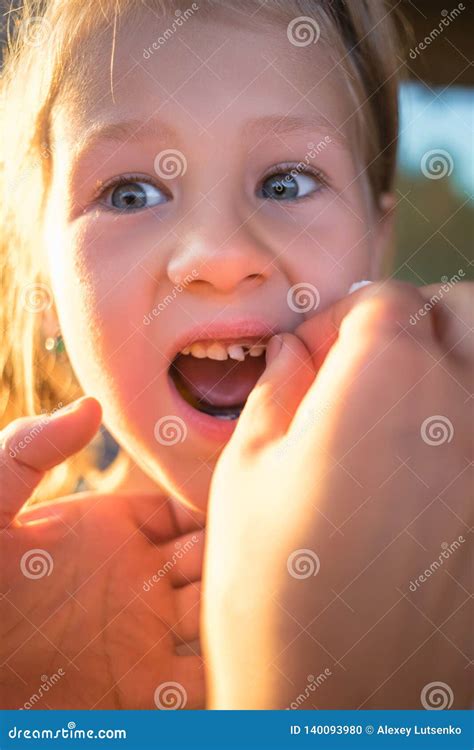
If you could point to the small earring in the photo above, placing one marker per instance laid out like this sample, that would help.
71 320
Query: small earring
55 344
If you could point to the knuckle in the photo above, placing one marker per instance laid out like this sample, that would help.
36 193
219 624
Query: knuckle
374 317
384 314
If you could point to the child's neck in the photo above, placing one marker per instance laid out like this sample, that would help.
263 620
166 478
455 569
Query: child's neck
128 477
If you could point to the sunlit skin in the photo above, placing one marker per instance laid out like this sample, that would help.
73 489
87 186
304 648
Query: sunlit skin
247 251
377 506
108 270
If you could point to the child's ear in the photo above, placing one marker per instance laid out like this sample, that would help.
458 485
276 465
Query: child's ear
49 322
383 235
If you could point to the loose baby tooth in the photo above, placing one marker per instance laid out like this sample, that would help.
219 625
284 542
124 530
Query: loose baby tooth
186 350
256 351
198 350
217 351
236 352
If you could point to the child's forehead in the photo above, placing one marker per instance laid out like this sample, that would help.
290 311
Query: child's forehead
208 76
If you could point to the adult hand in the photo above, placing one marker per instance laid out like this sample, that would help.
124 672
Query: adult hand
337 566
99 592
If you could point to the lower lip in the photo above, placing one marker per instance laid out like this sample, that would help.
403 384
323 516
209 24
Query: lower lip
212 429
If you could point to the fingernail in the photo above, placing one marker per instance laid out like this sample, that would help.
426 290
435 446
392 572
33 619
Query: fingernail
358 285
273 349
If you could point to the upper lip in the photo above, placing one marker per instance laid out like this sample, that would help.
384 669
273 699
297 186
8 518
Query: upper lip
222 330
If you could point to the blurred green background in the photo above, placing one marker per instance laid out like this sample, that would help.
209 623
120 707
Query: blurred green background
435 186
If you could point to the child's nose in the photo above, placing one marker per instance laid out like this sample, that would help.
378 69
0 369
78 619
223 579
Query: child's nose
224 265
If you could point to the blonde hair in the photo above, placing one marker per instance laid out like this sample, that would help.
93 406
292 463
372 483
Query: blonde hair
364 36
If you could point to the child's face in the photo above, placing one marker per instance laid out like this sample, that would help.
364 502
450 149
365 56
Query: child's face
206 246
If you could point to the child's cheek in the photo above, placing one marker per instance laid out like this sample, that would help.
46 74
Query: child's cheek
102 294
330 252
107 263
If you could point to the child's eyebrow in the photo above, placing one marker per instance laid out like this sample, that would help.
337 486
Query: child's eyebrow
124 130
283 124
118 132
279 124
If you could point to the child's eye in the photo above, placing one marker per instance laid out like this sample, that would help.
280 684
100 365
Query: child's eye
287 186
131 195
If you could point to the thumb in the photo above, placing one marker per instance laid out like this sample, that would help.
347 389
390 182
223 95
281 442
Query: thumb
273 401
30 446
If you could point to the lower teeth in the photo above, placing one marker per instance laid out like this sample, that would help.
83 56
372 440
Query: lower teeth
236 415
220 413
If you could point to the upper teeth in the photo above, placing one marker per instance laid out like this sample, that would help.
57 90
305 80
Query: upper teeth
220 351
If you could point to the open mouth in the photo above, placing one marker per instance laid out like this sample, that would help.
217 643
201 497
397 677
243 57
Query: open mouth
217 376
